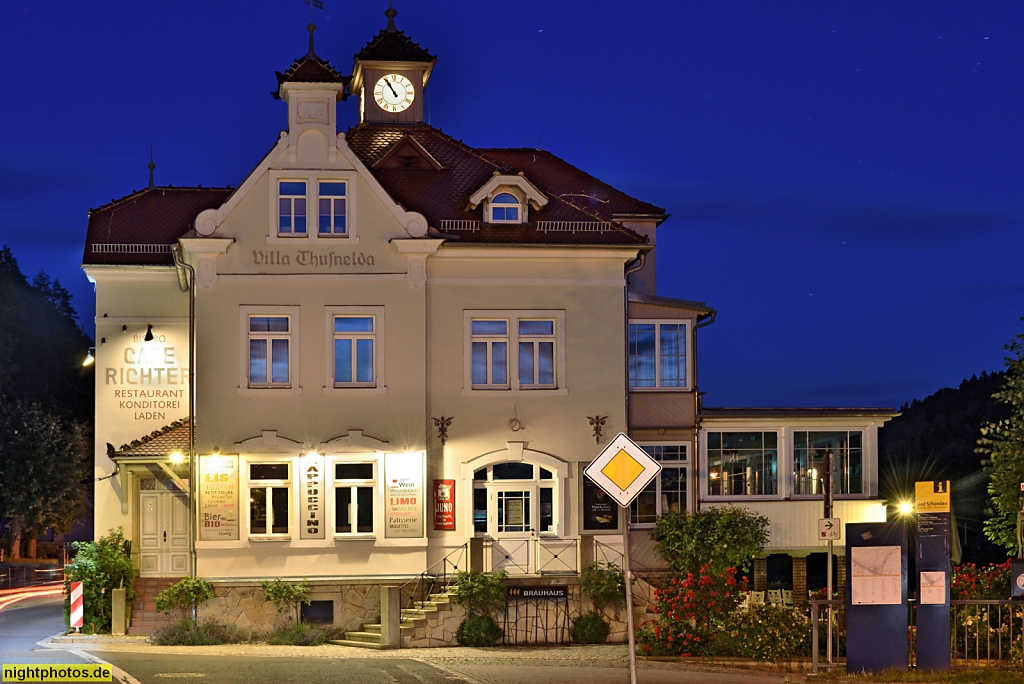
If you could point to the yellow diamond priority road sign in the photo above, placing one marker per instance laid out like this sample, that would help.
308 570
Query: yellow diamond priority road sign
623 469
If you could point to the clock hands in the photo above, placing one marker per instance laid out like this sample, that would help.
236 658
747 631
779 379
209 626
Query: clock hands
391 87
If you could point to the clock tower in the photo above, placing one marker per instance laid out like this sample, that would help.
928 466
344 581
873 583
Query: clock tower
390 74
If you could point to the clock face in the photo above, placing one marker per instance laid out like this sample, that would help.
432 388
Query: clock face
394 93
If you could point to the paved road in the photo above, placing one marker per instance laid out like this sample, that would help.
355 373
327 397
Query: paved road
22 627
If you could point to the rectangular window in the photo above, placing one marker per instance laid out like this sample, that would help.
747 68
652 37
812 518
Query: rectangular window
354 495
490 354
353 351
332 207
269 341
667 492
269 496
536 354
809 451
742 463
291 200
657 354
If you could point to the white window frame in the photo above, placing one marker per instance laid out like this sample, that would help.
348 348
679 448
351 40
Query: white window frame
513 386
268 486
684 463
292 233
536 340
377 313
791 449
354 485
658 322
332 231
533 485
783 455
269 389
519 204
312 179
490 340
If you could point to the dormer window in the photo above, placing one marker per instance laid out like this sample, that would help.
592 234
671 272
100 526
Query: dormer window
505 208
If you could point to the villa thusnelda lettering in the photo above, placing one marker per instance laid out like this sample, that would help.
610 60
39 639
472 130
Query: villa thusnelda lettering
310 259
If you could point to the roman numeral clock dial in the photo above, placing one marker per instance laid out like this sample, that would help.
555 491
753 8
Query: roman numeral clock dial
394 93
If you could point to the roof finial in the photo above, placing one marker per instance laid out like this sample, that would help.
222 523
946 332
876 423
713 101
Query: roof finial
151 166
317 4
390 13
311 28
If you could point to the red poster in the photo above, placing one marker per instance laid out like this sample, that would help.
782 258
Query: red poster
444 504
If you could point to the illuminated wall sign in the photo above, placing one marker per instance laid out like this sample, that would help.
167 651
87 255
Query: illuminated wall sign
403 495
444 504
311 476
218 498
146 381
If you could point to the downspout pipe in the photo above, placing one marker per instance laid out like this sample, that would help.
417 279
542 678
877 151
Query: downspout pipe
193 469
702 322
632 267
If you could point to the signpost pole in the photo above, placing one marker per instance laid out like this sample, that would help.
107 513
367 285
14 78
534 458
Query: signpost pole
624 513
826 467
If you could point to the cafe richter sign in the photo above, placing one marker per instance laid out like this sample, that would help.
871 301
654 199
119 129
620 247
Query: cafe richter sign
145 381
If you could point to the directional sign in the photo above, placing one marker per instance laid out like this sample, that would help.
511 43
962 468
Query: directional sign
829 529
623 469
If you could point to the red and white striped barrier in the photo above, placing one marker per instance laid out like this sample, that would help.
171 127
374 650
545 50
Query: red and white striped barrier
77 605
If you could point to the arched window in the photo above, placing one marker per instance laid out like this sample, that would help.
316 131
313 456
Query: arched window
504 208
515 499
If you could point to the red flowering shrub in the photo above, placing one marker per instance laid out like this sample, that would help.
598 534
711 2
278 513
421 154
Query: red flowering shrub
969 582
692 610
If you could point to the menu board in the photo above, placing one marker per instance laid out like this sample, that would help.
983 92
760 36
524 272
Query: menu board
600 511
218 498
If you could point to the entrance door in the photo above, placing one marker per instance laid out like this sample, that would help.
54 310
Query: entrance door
164 534
515 517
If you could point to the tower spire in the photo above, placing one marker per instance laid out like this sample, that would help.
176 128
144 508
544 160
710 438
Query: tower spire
390 13
151 166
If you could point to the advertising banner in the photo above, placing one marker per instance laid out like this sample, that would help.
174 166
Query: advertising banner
444 504
311 481
218 498
403 495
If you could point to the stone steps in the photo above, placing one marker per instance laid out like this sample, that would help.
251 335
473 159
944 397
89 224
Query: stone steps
146 620
369 636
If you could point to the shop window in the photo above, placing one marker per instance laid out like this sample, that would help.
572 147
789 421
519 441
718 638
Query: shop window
354 494
269 497
742 463
809 451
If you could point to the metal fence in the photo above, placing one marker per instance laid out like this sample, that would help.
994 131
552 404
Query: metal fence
983 634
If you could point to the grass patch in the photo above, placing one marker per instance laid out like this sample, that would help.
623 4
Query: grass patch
956 677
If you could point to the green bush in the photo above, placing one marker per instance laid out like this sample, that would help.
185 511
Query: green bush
480 593
286 596
184 595
186 632
721 537
478 630
101 566
298 634
767 632
589 628
604 583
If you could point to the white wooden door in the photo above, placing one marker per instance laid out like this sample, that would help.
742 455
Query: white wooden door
163 538
514 527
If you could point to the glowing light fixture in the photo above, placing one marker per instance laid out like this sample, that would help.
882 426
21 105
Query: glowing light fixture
176 457
90 357
905 508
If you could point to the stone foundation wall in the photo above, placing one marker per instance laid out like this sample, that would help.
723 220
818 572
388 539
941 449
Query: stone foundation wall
243 605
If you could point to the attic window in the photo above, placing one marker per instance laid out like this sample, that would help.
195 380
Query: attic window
504 208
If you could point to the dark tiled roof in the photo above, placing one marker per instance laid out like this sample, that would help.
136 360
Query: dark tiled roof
138 229
442 195
159 443
394 46
570 183
312 69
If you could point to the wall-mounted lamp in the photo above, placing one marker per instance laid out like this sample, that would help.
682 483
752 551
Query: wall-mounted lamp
90 357
176 457
124 329
149 334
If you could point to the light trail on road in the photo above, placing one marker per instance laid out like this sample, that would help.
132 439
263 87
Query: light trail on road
12 596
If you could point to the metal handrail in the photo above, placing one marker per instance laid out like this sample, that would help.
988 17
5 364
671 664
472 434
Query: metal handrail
430 579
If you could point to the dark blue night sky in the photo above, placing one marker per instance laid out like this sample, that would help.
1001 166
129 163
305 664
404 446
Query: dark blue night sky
846 179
